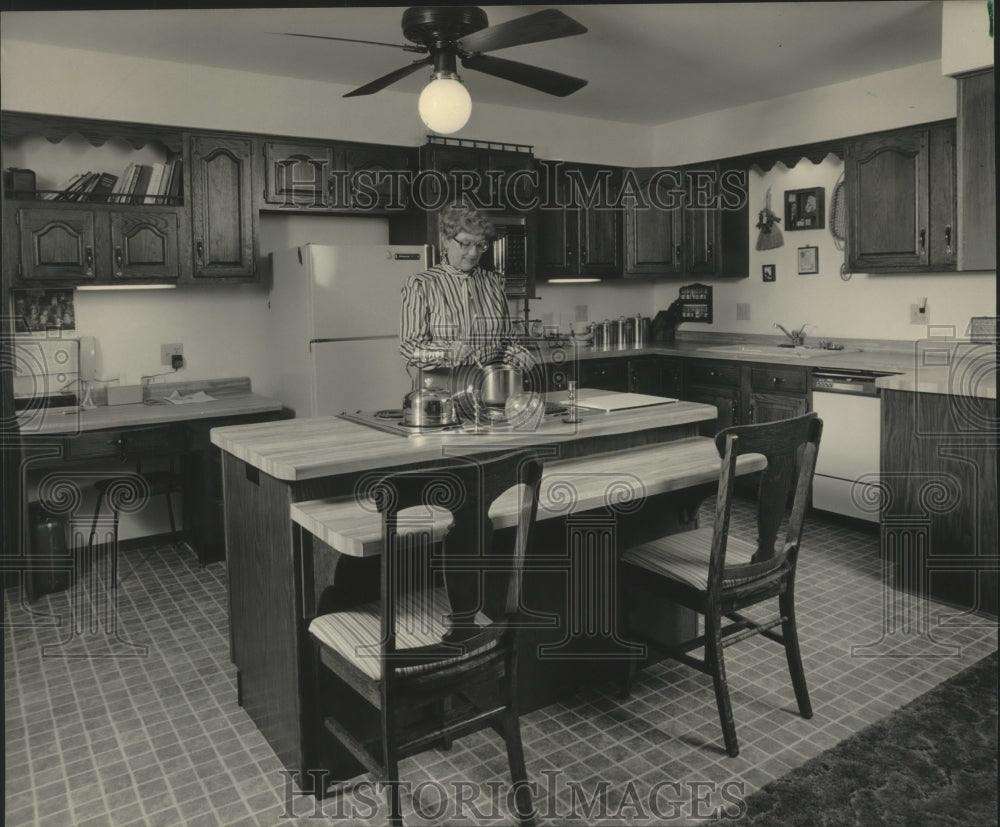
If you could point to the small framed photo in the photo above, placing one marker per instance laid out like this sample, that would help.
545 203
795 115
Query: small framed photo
808 260
767 272
804 209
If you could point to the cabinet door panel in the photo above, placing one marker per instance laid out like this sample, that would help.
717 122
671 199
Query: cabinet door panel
977 206
297 175
726 401
144 245
557 236
373 178
222 211
653 234
770 407
887 183
644 376
942 172
605 375
57 245
671 383
600 226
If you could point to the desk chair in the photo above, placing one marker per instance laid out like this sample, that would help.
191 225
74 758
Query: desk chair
134 487
717 575
436 655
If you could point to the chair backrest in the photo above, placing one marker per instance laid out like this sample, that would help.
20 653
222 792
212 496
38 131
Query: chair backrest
790 447
479 574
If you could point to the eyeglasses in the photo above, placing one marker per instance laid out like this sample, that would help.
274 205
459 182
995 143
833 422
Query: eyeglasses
466 246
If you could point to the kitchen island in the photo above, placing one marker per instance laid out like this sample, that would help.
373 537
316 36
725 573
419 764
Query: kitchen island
276 579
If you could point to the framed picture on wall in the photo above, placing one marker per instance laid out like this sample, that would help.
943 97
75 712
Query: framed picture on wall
805 209
767 272
808 260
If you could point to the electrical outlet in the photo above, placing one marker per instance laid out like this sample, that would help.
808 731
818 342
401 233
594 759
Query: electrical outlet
742 311
919 314
169 351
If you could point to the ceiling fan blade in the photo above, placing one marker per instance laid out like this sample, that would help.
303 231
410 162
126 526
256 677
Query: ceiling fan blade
549 24
544 80
388 80
406 47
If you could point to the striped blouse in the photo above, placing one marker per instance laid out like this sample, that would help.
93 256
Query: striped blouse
442 305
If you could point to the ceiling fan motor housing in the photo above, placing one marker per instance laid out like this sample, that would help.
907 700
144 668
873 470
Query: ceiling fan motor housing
439 26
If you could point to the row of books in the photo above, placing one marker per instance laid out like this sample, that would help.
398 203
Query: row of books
158 183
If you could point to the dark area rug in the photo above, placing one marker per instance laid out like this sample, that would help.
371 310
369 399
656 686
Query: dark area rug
932 762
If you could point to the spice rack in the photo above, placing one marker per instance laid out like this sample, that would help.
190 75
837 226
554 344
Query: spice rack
696 303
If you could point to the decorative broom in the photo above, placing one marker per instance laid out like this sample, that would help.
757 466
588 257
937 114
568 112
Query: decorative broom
767 222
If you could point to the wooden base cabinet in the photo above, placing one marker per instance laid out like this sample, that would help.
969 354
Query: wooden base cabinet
939 515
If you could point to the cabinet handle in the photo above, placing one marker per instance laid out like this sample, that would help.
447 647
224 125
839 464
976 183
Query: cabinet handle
709 251
712 373
923 240
677 253
199 250
583 255
775 380
118 261
735 413
569 253
947 239
88 260
751 415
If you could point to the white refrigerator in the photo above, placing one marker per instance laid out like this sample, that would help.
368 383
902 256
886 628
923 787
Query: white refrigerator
334 314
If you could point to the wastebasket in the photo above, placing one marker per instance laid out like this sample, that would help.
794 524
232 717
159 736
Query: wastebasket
51 572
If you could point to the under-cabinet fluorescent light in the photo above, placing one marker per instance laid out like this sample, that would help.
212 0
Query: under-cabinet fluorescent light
571 281
126 287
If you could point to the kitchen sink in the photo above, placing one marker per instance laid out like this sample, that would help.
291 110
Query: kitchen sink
774 350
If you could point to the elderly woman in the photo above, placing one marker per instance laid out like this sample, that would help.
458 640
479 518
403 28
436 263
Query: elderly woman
455 313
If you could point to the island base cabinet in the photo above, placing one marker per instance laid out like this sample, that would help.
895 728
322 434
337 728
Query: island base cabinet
939 512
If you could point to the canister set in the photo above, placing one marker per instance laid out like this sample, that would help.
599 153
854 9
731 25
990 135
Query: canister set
622 333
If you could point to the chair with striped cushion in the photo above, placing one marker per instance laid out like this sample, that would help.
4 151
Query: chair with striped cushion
436 655
718 575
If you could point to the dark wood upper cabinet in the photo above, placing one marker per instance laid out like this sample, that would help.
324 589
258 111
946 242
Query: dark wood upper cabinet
977 182
297 175
901 196
579 223
145 246
377 177
223 220
57 245
691 221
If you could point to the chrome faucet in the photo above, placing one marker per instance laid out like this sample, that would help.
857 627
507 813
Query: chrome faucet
798 337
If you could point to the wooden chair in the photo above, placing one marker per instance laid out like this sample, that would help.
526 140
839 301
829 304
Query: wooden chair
144 484
717 575
436 655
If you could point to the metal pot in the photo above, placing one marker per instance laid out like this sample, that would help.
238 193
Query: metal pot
428 406
499 382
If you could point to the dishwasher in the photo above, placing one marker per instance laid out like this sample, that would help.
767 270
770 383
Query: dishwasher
847 466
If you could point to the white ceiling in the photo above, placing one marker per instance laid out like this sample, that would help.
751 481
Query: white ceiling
645 63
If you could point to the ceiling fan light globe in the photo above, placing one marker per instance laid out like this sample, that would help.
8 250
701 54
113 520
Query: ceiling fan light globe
445 105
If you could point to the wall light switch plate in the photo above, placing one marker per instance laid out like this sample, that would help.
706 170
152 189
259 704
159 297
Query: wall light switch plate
920 314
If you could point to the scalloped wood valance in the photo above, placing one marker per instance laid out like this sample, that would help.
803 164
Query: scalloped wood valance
55 129
791 155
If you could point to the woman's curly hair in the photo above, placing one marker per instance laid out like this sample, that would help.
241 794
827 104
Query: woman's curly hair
461 216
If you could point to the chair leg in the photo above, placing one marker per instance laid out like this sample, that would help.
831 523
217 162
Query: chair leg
789 632
518 770
390 765
714 658
93 524
114 554
170 514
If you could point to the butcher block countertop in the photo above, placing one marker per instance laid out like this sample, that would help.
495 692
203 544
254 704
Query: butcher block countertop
301 449
354 527
230 398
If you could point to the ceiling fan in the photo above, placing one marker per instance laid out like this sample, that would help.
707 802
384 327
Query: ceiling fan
448 34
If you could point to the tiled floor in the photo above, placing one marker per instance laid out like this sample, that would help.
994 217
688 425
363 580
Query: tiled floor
142 727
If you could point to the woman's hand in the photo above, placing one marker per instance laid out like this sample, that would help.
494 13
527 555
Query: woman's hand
460 352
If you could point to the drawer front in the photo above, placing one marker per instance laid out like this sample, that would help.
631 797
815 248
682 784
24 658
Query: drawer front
779 378
702 372
124 442
605 374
